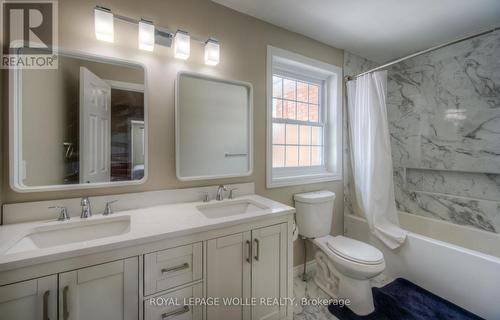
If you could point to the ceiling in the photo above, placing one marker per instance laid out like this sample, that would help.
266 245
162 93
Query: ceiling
380 30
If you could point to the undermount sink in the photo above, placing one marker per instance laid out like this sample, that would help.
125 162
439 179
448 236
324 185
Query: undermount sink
71 232
230 208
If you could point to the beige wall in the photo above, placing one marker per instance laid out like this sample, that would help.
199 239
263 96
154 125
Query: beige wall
243 57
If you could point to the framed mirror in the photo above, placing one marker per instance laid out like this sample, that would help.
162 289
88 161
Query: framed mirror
213 127
81 125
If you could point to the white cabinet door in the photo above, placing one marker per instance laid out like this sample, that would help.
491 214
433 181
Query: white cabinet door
228 275
29 300
269 271
108 291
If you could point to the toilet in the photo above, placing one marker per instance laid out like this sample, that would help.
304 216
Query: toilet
344 266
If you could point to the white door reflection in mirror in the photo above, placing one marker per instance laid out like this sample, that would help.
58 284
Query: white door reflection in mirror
137 149
95 129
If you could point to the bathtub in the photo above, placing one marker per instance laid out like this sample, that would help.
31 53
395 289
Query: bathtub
435 257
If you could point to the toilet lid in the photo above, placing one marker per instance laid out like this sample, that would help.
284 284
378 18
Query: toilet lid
355 250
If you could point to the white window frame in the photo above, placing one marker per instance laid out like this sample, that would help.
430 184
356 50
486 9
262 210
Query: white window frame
281 61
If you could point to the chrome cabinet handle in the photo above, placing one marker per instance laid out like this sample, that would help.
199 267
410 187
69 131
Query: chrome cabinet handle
45 311
228 155
183 266
249 251
65 303
257 249
174 313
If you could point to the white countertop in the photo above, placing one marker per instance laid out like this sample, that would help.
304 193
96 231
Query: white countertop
146 225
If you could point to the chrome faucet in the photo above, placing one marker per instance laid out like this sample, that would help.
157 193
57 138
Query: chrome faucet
220 193
63 215
108 209
86 208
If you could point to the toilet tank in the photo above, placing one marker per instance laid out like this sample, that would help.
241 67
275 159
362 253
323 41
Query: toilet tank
314 213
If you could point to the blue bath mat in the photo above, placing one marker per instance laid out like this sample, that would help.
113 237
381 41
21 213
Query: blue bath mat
404 300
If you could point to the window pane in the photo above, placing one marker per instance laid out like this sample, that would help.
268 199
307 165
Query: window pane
315 156
313 94
278 156
316 136
302 110
277 108
289 109
305 135
292 134
292 156
301 91
289 89
277 87
304 156
313 113
278 133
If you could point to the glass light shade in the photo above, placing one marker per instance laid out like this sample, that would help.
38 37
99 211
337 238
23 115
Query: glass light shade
182 45
146 35
212 52
103 21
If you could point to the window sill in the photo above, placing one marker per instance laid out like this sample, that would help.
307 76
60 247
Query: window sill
277 182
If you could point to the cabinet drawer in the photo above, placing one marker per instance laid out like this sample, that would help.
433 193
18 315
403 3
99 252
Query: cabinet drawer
170 306
172 267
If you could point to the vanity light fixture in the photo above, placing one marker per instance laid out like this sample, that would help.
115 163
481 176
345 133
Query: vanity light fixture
103 20
212 52
182 46
150 35
146 35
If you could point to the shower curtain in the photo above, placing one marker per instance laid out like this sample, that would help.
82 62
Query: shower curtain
371 156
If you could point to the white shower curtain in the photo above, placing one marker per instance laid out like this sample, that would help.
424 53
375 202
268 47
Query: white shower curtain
371 156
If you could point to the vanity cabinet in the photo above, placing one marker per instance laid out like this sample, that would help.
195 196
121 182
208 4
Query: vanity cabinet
29 300
221 272
106 291
249 266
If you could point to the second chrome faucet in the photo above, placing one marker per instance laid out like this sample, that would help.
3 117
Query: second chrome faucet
220 192
86 208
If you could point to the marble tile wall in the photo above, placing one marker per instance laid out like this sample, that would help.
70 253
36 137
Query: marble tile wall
444 107
444 121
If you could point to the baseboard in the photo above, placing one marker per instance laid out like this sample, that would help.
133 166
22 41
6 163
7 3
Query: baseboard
299 269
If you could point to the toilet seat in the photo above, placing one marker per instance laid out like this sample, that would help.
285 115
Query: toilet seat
354 250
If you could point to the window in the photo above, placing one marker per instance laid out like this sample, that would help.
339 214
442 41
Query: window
304 120
298 124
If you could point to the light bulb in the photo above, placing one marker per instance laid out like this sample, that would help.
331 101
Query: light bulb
103 21
181 45
146 35
212 52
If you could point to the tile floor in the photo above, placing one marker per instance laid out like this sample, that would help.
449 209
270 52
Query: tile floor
308 289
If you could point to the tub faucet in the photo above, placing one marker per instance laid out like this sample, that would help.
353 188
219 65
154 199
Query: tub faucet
86 208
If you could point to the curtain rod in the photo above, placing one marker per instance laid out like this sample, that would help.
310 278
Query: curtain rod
349 78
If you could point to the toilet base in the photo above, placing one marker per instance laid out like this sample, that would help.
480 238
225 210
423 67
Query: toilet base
340 286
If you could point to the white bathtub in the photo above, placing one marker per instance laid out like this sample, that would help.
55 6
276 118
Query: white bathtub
466 277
